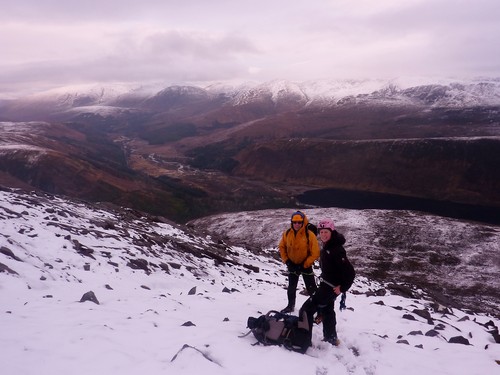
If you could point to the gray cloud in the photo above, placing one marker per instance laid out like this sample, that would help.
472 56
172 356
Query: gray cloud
49 43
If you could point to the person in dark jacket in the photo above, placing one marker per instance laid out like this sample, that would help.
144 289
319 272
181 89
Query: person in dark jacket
299 249
337 276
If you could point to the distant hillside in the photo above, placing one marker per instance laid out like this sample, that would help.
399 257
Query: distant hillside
185 151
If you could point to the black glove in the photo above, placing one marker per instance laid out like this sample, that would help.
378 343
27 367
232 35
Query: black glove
290 265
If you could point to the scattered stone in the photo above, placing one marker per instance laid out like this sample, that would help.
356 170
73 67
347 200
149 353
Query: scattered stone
252 268
432 333
424 314
139 264
420 346
459 340
188 324
192 291
175 266
145 287
493 329
82 249
7 269
403 342
43 278
496 336
165 267
464 318
226 319
86 266
226 290
440 327
89 296
377 293
6 251
106 254
439 308
409 317
381 303
415 333
401 290
108 287
48 296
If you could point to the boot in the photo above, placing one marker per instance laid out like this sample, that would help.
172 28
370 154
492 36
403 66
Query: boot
288 309
332 340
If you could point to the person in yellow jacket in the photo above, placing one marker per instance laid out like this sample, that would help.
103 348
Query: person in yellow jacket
299 249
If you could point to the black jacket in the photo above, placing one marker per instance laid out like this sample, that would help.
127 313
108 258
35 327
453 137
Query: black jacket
335 267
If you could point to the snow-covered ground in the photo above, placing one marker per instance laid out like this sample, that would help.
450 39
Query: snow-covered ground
174 301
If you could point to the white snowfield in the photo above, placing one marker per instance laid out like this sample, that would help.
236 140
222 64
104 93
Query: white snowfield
188 319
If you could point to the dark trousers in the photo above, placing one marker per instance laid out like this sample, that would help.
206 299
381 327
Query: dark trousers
293 281
322 302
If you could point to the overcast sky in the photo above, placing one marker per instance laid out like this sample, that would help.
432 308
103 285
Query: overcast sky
47 43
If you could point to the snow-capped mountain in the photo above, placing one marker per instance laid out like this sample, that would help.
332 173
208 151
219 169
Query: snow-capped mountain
191 145
91 98
95 289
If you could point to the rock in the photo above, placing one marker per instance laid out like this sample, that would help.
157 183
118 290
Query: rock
165 267
252 268
188 324
379 292
192 291
432 333
409 317
175 266
415 333
5 268
440 327
424 314
89 296
139 264
459 340
401 290
9 253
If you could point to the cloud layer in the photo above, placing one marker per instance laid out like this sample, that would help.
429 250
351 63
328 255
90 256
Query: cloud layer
53 43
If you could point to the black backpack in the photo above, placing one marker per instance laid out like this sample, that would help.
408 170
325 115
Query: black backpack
275 328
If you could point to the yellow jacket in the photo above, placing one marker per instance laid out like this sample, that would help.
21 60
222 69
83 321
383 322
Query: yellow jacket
297 248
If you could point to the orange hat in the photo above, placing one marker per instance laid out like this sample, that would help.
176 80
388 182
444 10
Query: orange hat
298 216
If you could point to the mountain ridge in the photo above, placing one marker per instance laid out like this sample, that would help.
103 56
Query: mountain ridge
320 92
185 151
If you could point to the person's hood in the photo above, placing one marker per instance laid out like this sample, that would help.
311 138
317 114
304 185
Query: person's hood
304 218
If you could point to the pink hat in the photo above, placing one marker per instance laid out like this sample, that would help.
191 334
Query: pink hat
326 224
